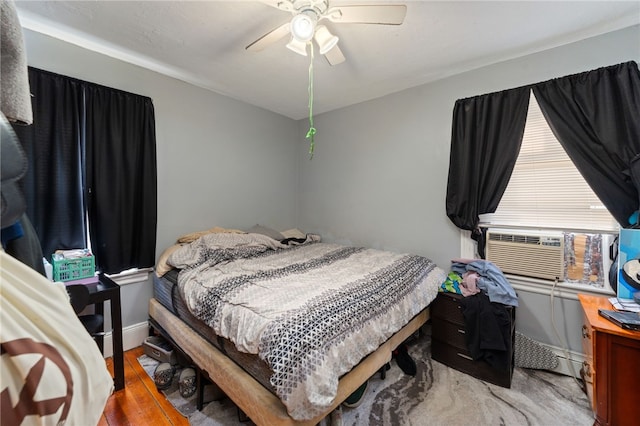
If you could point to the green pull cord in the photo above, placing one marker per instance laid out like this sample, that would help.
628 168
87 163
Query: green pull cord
312 130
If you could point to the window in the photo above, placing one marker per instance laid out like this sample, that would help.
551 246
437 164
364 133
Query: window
546 190
594 115
92 160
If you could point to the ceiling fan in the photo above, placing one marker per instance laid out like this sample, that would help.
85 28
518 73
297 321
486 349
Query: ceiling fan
307 14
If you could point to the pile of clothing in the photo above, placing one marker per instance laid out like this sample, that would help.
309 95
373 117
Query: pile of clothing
487 294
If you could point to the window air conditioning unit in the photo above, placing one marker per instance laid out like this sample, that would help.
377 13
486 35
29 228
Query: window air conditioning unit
528 253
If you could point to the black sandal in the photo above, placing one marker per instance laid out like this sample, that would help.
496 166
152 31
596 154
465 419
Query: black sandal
404 360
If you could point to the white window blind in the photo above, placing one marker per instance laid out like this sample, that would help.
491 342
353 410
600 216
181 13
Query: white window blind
546 190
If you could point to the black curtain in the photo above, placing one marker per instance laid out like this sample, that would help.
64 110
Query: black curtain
91 154
53 144
121 178
487 133
596 117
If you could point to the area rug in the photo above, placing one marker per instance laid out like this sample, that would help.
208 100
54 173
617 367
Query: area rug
437 395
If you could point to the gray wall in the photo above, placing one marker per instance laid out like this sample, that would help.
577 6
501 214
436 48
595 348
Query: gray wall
379 173
220 162
378 177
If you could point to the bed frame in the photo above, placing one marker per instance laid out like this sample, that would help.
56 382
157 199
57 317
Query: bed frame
258 403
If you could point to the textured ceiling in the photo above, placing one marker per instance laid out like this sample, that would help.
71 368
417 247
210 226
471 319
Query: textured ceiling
203 42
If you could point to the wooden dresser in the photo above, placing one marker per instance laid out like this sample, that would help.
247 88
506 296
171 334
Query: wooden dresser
448 344
611 369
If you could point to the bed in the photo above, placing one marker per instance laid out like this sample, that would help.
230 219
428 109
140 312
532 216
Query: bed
288 329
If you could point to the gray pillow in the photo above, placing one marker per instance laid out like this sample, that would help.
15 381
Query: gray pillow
272 233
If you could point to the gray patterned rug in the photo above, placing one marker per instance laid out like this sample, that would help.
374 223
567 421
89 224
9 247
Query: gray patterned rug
437 395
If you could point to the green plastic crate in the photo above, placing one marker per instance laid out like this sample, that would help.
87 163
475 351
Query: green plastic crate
73 269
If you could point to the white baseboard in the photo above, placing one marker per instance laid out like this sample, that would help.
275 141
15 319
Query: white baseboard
132 337
565 364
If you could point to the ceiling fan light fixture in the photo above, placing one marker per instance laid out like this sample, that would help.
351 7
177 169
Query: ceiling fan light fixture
300 47
326 41
303 26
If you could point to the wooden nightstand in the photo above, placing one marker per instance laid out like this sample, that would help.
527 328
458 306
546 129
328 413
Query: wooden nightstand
611 371
448 341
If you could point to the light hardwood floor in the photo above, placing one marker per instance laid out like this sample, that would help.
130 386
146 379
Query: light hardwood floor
139 403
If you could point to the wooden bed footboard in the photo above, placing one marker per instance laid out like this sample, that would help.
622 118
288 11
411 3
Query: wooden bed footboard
258 403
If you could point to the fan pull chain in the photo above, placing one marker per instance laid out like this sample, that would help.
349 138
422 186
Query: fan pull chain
312 130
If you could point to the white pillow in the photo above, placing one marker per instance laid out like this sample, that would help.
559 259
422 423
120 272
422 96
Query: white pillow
294 233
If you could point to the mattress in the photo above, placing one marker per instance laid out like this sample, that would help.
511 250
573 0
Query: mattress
165 291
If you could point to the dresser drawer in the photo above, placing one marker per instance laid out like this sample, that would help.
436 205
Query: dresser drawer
448 341
447 306
588 371
587 348
449 333
461 360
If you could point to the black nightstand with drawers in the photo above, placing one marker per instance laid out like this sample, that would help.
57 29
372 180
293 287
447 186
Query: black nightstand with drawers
448 341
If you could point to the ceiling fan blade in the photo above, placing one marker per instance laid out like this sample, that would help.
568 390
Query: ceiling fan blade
269 38
287 6
334 56
390 14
